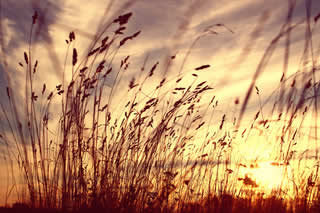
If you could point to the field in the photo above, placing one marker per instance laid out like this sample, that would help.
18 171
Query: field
153 138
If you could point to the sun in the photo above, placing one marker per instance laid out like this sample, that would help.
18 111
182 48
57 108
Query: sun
269 174
266 175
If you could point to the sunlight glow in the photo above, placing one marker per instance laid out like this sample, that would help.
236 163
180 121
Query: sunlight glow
267 175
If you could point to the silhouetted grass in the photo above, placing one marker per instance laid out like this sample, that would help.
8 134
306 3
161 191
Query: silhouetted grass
144 156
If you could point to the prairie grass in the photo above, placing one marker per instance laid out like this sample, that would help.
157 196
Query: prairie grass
157 151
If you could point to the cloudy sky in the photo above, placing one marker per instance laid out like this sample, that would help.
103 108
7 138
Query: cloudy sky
235 35
168 27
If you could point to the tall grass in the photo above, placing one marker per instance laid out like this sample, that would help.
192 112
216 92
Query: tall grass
146 154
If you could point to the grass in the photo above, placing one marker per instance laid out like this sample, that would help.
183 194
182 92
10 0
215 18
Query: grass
146 155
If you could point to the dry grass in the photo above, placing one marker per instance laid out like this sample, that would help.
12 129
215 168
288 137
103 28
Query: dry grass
145 156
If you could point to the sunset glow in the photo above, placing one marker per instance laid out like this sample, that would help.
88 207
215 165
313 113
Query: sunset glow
267 175
160 106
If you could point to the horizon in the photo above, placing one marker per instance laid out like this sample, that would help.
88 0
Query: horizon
255 60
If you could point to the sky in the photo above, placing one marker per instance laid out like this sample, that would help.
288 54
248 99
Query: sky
168 27
235 35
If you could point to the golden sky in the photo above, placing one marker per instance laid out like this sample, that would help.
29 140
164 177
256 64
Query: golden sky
168 27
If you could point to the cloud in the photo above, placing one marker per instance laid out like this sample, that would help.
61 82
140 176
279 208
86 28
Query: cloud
16 21
19 15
